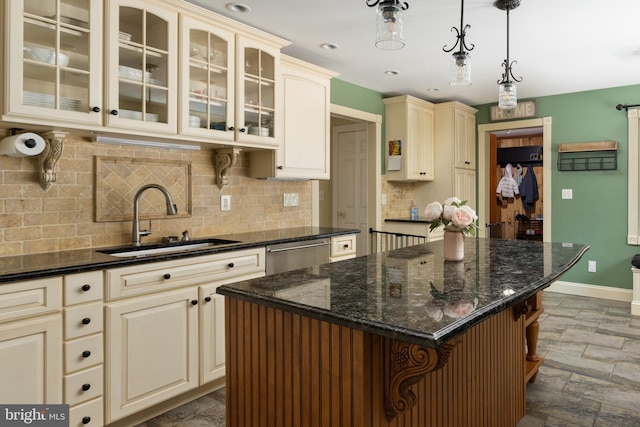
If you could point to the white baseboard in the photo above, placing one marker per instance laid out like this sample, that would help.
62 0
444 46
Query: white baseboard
594 291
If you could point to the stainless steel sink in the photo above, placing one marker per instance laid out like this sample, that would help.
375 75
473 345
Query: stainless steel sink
164 248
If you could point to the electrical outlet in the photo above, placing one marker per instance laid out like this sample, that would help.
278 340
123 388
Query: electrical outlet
225 203
290 199
384 199
591 266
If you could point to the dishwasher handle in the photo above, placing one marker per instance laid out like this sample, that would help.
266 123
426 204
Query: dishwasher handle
293 248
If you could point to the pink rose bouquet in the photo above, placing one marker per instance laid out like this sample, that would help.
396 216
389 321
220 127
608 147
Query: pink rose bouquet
453 214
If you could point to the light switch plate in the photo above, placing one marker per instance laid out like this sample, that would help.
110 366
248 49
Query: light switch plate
225 203
567 193
290 199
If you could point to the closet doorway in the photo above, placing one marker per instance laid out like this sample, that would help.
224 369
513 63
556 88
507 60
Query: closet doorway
517 158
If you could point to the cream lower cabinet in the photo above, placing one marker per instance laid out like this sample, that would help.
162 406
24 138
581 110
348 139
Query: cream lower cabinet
31 342
343 247
164 327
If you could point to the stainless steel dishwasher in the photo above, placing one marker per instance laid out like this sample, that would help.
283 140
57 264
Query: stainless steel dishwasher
293 255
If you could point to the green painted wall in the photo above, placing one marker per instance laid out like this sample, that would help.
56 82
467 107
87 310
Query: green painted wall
356 97
597 214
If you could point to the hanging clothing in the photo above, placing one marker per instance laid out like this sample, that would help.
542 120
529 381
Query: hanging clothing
518 176
508 187
529 189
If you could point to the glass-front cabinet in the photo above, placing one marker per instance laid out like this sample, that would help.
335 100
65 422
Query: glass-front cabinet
54 60
258 93
142 67
208 80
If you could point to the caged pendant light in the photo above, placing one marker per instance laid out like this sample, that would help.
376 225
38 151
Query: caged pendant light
507 95
389 23
460 68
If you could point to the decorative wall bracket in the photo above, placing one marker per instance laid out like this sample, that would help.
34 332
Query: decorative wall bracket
50 156
404 365
225 158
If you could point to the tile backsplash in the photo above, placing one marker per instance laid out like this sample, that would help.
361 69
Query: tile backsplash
64 217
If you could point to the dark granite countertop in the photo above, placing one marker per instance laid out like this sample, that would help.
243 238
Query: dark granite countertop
420 220
33 266
412 294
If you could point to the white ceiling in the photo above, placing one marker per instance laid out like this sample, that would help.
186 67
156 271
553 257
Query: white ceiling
560 46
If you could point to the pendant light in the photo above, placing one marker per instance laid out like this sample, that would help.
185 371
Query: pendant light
460 65
507 95
389 23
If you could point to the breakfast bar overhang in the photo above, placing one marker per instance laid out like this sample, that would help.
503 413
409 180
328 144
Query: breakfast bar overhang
399 338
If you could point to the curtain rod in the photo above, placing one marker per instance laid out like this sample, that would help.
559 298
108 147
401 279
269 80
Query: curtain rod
626 107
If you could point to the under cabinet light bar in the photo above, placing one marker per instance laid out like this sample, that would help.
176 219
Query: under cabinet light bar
141 143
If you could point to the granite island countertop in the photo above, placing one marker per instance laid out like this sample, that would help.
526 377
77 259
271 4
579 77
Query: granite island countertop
34 266
412 294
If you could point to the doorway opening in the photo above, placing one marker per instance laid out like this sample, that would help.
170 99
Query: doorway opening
363 180
487 167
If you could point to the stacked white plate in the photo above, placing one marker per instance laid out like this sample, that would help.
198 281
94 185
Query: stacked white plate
194 121
137 115
44 100
133 73
257 130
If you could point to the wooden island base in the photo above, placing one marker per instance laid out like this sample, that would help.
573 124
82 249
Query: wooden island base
286 369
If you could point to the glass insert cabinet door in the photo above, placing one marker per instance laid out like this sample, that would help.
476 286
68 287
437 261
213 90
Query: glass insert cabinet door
142 87
258 99
55 68
207 69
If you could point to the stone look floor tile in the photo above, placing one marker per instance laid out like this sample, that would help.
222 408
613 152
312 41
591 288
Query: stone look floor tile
590 378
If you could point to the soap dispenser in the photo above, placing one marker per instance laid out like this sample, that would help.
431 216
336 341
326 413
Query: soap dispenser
414 211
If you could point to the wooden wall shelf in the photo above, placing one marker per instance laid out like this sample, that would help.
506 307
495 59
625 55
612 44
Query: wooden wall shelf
588 156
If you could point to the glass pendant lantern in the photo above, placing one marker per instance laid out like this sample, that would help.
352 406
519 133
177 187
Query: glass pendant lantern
507 96
460 69
389 27
507 93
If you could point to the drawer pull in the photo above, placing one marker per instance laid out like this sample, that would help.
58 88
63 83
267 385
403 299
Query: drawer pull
86 354
86 321
207 299
86 420
194 302
230 265
86 287
345 246
86 387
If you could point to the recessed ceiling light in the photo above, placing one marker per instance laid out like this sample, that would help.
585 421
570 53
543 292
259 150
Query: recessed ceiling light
238 7
433 89
329 46
392 72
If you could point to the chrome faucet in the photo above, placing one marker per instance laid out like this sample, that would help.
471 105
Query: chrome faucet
172 209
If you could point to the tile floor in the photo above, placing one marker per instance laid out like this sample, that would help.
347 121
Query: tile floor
591 374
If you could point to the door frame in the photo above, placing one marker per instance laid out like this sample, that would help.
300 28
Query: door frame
374 165
485 193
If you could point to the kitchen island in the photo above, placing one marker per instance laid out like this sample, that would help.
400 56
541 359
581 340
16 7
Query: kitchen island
399 338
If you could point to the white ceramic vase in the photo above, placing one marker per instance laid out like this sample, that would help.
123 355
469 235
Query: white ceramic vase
453 242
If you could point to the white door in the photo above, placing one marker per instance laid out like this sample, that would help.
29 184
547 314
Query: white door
350 181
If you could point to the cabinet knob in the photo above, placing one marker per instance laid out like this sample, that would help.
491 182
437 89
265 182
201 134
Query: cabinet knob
243 130
207 299
114 112
467 163
230 265
167 276
95 109
86 354
86 321
345 246
231 128
194 302
280 167
86 287
86 420
86 387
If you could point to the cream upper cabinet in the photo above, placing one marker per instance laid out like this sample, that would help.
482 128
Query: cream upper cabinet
409 124
53 58
464 136
258 94
141 63
207 76
305 149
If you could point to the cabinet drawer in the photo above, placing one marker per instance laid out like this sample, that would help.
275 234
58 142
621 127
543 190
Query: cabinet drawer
83 386
82 320
83 353
87 414
146 278
82 287
343 245
32 298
